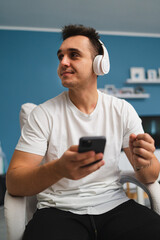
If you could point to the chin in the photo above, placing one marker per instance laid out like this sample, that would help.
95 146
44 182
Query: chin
67 84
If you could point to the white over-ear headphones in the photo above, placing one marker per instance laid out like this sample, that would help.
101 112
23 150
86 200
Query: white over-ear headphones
101 63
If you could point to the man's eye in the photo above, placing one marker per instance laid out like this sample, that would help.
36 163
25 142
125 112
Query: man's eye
60 57
74 54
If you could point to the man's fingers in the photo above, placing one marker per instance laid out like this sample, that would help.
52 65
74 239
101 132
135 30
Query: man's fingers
91 160
145 142
74 148
132 138
145 137
86 158
142 153
141 145
87 169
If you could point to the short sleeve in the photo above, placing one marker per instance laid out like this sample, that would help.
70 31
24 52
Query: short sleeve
35 133
131 123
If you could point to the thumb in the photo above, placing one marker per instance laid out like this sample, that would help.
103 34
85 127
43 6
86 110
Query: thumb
74 148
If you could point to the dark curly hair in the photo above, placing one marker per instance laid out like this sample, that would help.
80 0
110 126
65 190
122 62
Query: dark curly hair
74 30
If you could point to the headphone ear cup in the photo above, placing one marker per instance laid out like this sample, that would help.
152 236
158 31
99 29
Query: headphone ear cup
97 65
101 63
105 65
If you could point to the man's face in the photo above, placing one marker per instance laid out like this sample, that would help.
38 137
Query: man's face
75 62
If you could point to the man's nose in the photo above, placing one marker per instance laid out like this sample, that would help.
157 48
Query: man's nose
65 61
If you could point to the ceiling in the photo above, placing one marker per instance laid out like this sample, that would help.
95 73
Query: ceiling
130 16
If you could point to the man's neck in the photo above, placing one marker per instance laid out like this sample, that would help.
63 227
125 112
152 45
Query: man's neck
84 100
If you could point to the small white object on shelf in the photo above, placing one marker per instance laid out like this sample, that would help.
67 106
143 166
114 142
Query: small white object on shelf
152 74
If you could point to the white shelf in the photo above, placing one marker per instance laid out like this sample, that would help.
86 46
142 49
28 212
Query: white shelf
132 95
127 95
144 81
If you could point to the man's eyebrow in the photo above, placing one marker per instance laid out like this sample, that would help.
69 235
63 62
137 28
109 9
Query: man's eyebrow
74 49
69 49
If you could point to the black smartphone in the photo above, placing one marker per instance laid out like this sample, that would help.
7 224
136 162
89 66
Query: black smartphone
95 143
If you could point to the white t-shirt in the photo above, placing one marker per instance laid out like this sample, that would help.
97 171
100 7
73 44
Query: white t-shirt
55 125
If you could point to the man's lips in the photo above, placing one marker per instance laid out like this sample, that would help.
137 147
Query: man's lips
66 73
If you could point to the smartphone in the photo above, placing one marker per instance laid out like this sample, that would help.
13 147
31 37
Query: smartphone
96 144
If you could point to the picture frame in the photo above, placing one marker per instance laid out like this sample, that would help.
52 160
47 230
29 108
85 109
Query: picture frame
137 73
152 74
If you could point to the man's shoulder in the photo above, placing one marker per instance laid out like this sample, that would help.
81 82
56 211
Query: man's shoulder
53 102
59 98
49 109
111 99
113 103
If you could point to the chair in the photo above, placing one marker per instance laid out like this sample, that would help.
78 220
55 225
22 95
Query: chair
19 210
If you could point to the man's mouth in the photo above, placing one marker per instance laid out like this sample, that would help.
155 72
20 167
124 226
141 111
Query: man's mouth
65 73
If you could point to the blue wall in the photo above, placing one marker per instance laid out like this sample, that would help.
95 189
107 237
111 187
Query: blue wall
28 73
126 52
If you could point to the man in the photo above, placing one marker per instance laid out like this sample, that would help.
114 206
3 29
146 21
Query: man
76 199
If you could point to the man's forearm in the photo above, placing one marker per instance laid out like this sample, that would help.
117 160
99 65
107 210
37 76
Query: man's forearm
149 173
27 181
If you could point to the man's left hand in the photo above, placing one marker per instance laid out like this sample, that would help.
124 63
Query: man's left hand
142 149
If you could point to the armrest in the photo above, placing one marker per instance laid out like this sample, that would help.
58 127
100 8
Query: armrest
152 190
18 211
15 213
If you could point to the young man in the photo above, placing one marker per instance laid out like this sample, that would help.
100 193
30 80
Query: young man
76 199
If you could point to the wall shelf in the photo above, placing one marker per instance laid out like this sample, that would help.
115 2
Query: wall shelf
132 95
144 81
127 95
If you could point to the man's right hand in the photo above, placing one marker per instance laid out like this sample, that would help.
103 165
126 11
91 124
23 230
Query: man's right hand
74 165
